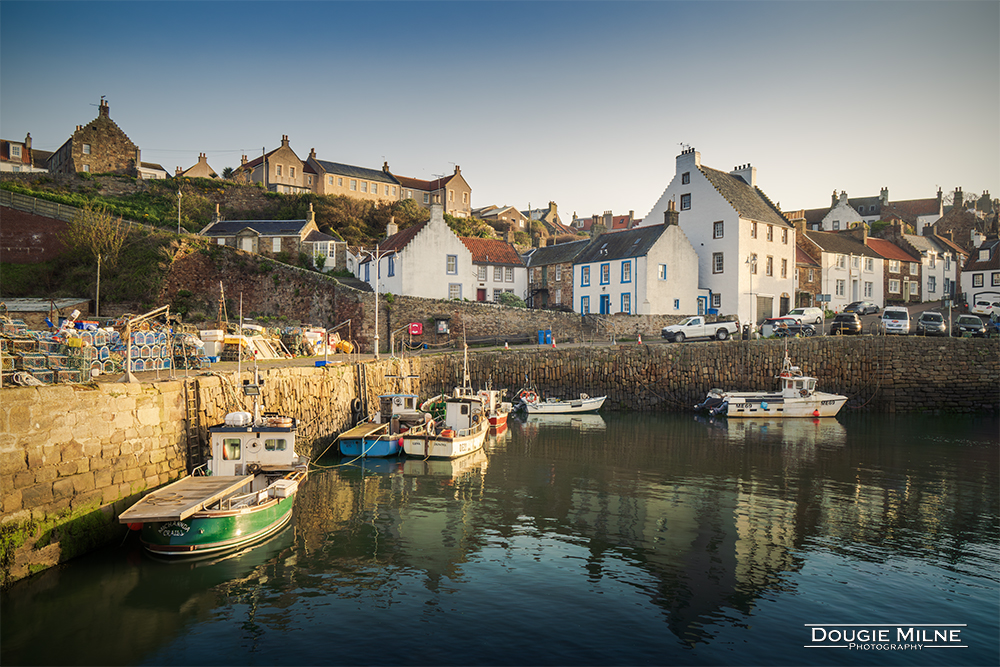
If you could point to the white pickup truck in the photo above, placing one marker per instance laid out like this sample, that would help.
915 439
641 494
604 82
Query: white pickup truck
696 327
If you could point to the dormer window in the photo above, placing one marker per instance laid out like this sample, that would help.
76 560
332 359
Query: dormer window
984 254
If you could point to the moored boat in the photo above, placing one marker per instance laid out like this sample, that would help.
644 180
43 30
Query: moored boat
796 397
247 495
460 429
453 426
557 406
497 410
383 435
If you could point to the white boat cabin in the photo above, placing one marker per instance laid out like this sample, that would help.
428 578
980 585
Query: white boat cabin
403 406
243 445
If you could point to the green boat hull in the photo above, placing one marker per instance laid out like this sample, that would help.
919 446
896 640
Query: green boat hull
216 531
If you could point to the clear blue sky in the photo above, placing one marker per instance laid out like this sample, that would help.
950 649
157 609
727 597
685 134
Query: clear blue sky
583 103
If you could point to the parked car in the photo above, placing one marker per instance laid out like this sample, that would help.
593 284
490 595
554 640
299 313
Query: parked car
846 324
969 324
931 323
861 308
986 305
696 327
895 320
795 331
770 326
808 315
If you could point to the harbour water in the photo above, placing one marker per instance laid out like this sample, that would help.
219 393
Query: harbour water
597 540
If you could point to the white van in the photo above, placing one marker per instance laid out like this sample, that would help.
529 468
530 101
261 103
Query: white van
896 320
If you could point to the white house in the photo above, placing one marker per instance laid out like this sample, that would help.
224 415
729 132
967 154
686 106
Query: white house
498 268
745 247
941 263
981 273
841 216
649 270
426 260
849 269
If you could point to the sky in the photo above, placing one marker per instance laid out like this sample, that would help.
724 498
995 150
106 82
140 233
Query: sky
586 104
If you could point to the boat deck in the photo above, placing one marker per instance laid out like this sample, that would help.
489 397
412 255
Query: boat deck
178 501
363 431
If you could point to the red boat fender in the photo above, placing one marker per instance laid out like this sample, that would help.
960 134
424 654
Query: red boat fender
135 526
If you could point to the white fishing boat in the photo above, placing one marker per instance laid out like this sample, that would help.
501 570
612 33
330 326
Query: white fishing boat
557 406
453 426
796 397
497 410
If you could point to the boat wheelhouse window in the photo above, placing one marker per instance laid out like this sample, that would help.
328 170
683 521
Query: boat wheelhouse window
810 384
275 445
798 384
231 449
465 409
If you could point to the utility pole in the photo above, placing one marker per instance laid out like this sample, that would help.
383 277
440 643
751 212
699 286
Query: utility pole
178 210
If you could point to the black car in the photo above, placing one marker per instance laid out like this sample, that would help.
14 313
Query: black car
846 324
861 307
794 330
931 324
969 324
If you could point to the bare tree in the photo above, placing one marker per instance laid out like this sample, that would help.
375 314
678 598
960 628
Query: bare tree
97 232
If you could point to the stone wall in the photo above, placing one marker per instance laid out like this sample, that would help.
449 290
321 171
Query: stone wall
73 457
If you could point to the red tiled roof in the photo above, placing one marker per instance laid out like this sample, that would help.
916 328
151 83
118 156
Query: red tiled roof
890 250
492 251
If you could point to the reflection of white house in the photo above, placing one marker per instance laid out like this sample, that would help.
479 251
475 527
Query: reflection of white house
849 269
426 259
649 270
745 247
274 237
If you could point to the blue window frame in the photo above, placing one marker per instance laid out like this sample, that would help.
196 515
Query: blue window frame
627 271
585 305
626 303
584 276
392 265
605 274
368 271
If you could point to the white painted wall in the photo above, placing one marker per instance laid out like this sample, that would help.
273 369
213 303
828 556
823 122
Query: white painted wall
855 277
841 216
736 290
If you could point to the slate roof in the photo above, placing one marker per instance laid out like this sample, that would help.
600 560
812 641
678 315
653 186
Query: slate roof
621 245
922 243
748 201
316 236
841 243
262 227
356 172
560 253
993 262
948 244
910 209
890 250
863 205
492 251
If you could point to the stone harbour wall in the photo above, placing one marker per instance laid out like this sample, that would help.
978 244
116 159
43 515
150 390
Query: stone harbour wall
74 457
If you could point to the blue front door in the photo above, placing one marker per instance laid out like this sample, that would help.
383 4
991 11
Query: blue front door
605 304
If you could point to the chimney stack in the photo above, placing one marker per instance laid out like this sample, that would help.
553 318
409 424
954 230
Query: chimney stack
670 216
391 229
105 111
284 140
958 198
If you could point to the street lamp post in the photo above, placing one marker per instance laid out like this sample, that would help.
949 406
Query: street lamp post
178 211
377 256
752 265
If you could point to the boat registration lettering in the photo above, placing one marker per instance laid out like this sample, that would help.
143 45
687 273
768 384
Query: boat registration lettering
174 529
827 402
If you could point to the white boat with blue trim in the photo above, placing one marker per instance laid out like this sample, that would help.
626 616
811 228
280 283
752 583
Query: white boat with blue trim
796 397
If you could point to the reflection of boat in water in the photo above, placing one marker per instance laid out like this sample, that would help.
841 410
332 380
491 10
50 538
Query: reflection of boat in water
446 467
581 422
818 431
381 466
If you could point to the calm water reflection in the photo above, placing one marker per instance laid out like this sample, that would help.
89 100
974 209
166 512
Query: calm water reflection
600 540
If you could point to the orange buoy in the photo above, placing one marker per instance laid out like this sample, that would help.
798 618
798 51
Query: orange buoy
135 526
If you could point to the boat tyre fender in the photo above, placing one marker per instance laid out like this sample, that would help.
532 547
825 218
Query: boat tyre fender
253 469
803 393
356 405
